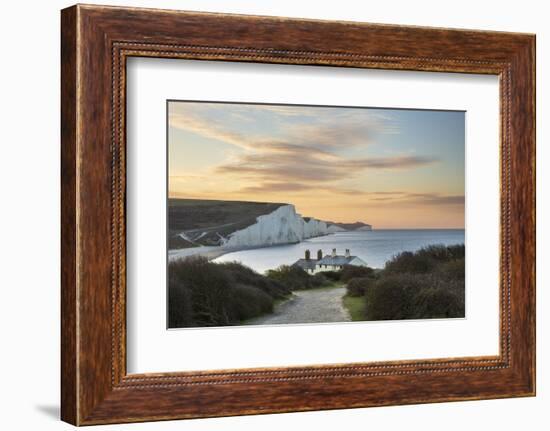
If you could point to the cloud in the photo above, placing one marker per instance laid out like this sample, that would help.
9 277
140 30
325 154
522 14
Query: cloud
286 111
271 187
185 177
395 162
319 128
203 127
299 164
393 198
340 132
435 199
305 151
398 197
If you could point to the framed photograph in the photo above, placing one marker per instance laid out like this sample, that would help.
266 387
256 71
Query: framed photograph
265 215
236 218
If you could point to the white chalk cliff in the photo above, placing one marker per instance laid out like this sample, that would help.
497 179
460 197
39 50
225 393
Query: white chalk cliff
282 226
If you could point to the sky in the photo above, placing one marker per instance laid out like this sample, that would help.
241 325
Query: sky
392 168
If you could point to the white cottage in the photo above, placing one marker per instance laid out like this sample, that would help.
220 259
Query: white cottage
332 262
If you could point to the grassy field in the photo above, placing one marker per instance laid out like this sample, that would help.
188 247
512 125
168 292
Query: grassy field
356 307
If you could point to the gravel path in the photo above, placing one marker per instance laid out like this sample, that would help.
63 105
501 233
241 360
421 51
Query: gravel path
308 306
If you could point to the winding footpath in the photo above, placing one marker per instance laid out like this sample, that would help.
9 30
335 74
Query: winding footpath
308 306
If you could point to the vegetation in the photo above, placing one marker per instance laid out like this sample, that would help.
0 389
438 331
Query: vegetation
425 260
295 278
355 306
359 280
204 220
349 272
333 275
203 293
359 286
428 283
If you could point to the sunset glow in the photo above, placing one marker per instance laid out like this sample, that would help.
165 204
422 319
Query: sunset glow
391 168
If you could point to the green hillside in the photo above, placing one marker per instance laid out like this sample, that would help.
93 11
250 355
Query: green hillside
203 222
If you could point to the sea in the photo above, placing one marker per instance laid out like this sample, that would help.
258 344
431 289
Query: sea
375 247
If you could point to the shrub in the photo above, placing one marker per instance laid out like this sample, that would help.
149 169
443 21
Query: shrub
457 251
409 262
436 252
452 270
358 286
390 298
333 275
428 283
292 277
203 293
249 302
319 280
245 275
180 311
438 302
295 278
424 260
414 296
442 253
209 287
350 271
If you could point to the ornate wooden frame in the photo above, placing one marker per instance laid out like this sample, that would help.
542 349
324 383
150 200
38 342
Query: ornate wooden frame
95 42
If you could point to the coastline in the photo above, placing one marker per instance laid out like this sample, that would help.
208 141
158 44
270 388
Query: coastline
375 247
210 252
214 251
381 246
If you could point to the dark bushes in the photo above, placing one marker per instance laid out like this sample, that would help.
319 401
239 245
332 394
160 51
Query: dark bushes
359 286
428 283
333 275
250 301
439 301
425 259
295 278
208 289
349 271
409 262
414 296
203 293
244 275
452 270
318 280
180 310
392 298
442 253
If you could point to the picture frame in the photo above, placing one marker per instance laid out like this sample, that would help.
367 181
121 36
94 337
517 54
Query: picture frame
96 42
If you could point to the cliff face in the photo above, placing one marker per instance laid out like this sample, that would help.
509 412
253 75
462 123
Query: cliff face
193 223
281 226
201 222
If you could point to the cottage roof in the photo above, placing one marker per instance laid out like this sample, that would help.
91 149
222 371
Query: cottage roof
335 260
305 263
